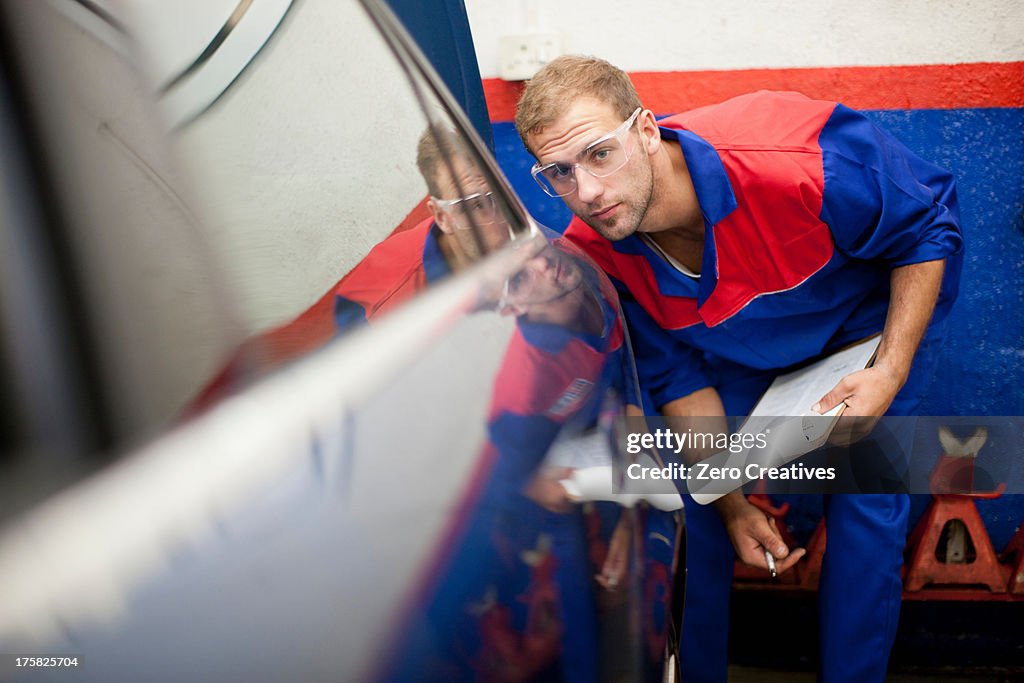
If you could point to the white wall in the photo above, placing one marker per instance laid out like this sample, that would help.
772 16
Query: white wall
303 165
306 161
669 35
299 171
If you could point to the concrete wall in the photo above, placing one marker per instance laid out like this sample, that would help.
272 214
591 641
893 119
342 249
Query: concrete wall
285 166
667 35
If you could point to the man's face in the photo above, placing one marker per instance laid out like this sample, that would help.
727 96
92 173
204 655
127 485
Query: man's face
474 219
614 206
546 288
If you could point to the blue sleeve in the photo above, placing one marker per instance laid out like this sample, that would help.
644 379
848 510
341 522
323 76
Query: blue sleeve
881 201
521 441
668 369
624 377
348 314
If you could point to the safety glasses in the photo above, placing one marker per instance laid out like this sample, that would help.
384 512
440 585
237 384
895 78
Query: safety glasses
600 159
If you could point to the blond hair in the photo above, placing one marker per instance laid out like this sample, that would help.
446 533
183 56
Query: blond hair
565 79
434 157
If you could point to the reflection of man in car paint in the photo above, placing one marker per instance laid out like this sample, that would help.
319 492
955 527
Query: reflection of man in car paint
560 357
553 288
550 288
461 202
565 353
564 357
518 598
465 223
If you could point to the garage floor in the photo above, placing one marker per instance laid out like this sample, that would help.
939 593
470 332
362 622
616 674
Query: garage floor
745 674
944 641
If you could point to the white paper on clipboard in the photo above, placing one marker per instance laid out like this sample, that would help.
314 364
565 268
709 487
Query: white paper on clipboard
784 416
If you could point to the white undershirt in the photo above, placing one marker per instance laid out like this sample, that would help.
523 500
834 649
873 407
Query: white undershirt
667 257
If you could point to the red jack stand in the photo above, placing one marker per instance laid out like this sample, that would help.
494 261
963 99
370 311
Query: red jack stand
959 512
953 510
1015 549
810 564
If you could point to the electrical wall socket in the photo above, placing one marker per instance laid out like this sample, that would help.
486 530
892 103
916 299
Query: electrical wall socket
521 56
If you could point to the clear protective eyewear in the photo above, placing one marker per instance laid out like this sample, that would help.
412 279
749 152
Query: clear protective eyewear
518 288
600 159
527 285
479 208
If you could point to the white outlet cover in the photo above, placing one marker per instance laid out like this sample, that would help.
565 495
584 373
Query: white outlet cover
521 56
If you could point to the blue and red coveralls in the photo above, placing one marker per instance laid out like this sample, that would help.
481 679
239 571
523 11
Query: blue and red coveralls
807 208
552 381
393 271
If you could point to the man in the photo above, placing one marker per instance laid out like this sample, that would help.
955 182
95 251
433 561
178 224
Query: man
745 238
465 222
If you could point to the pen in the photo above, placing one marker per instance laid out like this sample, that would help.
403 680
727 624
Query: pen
770 559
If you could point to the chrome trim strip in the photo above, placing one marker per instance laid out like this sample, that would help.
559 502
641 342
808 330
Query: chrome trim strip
103 15
412 59
218 40
180 99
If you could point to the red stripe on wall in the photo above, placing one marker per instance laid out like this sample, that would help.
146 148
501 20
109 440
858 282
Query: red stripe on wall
941 86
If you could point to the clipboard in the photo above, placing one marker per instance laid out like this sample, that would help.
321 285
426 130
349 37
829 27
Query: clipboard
783 415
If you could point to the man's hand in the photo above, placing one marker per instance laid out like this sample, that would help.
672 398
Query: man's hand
752 533
616 562
545 489
867 394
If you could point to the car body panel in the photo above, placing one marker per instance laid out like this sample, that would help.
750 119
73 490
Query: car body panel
279 498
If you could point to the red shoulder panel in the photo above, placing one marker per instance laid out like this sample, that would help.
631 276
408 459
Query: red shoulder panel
775 239
671 312
391 273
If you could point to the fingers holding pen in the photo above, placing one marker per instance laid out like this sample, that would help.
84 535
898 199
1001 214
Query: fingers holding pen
777 562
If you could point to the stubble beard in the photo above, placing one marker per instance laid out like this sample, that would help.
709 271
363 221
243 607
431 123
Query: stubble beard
623 225
630 216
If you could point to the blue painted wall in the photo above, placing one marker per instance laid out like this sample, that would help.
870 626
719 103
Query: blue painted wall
441 29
